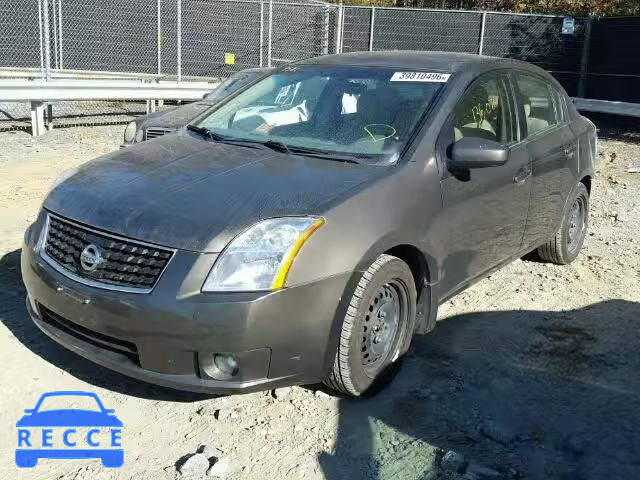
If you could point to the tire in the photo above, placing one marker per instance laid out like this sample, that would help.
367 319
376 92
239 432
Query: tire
565 246
377 327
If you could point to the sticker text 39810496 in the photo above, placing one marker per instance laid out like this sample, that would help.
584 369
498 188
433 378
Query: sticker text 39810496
420 77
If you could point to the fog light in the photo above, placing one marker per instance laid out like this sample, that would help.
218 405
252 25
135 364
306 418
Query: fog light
227 364
237 367
220 366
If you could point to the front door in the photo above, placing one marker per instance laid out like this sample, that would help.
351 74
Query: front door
552 148
484 209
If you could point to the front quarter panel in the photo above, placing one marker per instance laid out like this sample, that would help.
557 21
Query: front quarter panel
393 210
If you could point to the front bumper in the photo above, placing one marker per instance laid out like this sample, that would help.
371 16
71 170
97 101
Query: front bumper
284 337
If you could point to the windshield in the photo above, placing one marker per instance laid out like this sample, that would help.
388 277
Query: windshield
231 84
63 402
367 113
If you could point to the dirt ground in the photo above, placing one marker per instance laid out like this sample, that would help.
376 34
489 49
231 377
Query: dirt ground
532 373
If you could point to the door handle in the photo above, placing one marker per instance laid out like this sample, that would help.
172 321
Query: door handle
570 151
522 176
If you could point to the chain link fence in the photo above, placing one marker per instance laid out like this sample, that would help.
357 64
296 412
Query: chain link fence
105 35
184 39
21 34
613 70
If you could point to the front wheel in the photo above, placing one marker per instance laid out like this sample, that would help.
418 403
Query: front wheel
378 324
565 246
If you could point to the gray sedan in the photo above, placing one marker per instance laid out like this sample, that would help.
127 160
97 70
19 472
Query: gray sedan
306 228
152 125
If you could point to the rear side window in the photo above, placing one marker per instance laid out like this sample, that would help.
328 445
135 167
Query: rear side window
561 106
536 103
486 111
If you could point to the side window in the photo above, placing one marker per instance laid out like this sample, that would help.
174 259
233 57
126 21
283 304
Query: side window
486 111
536 103
561 107
287 94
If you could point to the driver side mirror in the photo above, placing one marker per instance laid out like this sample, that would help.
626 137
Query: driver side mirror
474 152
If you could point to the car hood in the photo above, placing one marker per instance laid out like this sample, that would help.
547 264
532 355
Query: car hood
183 192
176 117
69 418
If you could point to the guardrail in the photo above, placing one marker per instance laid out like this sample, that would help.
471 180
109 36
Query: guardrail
36 73
607 106
39 92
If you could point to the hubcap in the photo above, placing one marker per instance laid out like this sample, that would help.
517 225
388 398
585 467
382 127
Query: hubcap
577 224
385 312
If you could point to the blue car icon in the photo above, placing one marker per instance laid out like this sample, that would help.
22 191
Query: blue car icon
32 447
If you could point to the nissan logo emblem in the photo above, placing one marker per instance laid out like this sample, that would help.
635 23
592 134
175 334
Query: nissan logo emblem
90 258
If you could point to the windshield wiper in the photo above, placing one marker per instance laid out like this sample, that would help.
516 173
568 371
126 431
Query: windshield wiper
216 137
273 145
307 152
312 152
205 131
277 146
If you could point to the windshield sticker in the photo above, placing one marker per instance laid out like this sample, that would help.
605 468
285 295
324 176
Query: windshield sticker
420 77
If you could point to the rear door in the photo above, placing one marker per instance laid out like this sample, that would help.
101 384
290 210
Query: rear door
485 209
551 145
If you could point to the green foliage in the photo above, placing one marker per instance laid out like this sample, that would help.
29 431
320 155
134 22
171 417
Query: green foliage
562 7
576 7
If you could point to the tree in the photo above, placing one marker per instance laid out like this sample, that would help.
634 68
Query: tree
562 7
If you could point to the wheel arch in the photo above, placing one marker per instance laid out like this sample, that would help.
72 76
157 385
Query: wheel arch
586 181
419 264
424 270
423 266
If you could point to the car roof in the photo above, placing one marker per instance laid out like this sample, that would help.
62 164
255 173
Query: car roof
449 62
256 70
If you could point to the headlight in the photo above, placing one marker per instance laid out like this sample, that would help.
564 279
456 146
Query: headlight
130 132
260 258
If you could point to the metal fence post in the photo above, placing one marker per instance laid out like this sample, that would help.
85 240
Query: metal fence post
325 30
373 21
159 34
179 40
41 38
483 23
60 64
584 60
339 28
261 32
55 34
269 33
47 41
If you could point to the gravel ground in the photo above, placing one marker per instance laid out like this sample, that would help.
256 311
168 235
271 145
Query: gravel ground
532 373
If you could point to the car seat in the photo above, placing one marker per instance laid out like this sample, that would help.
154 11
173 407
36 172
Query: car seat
474 114
534 124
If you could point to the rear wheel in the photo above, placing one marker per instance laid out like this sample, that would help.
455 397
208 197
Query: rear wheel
568 240
379 323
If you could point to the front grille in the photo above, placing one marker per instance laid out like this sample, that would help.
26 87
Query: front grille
86 335
114 261
153 132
